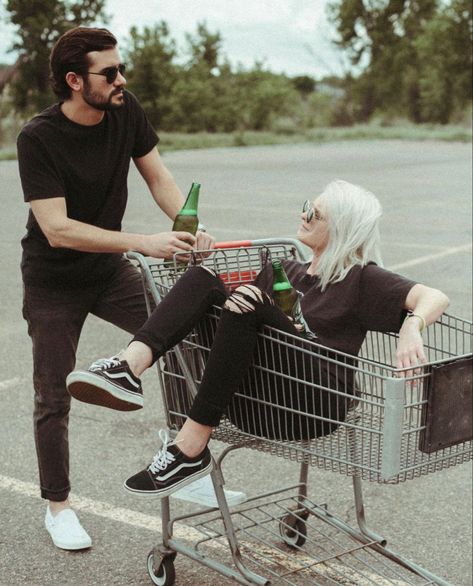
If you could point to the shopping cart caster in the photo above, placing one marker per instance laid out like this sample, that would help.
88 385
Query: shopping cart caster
164 574
293 531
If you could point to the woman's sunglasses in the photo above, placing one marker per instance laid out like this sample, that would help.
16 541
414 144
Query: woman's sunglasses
110 73
311 212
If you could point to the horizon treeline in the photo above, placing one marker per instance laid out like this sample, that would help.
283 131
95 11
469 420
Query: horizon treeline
404 61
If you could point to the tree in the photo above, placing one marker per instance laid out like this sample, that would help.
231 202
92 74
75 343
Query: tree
445 77
7 73
152 72
204 48
40 23
203 97
304 84
379 38
262 97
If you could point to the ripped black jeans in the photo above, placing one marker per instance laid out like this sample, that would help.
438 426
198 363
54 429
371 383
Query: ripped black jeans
244 313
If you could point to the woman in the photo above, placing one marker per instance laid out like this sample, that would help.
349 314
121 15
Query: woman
345 294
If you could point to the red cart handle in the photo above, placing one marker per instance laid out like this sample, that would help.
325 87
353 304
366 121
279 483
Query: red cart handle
234 244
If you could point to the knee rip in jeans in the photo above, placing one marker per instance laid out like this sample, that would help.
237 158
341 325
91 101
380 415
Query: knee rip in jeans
244 299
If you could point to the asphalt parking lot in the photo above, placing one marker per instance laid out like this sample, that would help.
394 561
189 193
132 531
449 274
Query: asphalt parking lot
425 189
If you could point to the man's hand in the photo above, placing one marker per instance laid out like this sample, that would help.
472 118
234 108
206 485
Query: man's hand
167 244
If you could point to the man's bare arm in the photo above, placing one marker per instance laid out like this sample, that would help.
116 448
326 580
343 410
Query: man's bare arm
165 191
160 182
63 232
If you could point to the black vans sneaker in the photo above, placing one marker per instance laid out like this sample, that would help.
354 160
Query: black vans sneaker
109 382
170 470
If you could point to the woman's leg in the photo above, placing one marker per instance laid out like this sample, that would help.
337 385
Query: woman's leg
245 312
243 315
181 309
187 458
113 382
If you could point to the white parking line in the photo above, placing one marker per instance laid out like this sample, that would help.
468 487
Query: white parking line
105 510
253 548
11 382
428 257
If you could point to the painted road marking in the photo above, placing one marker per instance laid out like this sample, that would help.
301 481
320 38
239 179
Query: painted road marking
428 257
11 382
256 550
103 509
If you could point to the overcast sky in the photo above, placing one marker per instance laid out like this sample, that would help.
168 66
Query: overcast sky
289 36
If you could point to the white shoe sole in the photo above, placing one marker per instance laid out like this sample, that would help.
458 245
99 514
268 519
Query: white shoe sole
96 390
72 547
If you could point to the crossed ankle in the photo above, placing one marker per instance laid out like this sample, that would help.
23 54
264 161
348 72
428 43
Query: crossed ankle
138 356
191 451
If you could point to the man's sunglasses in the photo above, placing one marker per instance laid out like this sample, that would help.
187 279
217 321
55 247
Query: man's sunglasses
311 212
110 73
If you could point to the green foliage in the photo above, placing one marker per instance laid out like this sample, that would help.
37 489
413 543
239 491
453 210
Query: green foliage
152 73
414 56
204 48
410 58
445 79
40 23
199 91
263 97
304 84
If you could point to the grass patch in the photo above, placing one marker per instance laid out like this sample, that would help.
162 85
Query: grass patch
7 154
174 141
171 141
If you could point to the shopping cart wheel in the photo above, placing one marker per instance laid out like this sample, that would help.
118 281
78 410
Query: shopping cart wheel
293 531
164 574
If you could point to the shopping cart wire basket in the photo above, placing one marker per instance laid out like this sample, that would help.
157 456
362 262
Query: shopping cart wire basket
370 423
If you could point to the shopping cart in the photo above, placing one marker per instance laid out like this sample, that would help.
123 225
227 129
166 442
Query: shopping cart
393 429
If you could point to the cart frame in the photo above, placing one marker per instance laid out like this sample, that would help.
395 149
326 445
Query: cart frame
382 439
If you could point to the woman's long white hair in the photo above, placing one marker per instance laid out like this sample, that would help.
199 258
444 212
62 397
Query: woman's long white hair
353 215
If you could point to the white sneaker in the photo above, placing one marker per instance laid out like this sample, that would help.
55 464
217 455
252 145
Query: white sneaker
202 492
66 530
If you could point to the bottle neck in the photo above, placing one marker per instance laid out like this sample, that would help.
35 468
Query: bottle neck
280 280
192 202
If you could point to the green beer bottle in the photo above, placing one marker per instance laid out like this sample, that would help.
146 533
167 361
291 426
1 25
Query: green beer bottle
287 299
187 220
284 293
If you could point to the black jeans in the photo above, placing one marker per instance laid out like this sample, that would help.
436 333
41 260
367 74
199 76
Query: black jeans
55 319
232 353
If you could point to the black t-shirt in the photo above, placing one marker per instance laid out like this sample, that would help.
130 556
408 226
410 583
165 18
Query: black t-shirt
368 298
88 166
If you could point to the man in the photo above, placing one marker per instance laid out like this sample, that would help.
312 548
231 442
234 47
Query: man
74 159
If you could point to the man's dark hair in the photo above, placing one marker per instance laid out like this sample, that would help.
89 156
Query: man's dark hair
70 54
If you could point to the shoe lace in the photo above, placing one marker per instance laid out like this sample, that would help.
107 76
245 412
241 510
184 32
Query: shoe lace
103 363
163 457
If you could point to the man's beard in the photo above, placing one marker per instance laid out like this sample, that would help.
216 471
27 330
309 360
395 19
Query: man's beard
98 102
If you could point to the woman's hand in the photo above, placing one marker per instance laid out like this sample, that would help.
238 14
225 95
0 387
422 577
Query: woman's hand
206 242
426 305
410 347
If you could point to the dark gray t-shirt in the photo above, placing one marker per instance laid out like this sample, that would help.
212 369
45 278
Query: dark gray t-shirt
368 298
88 166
